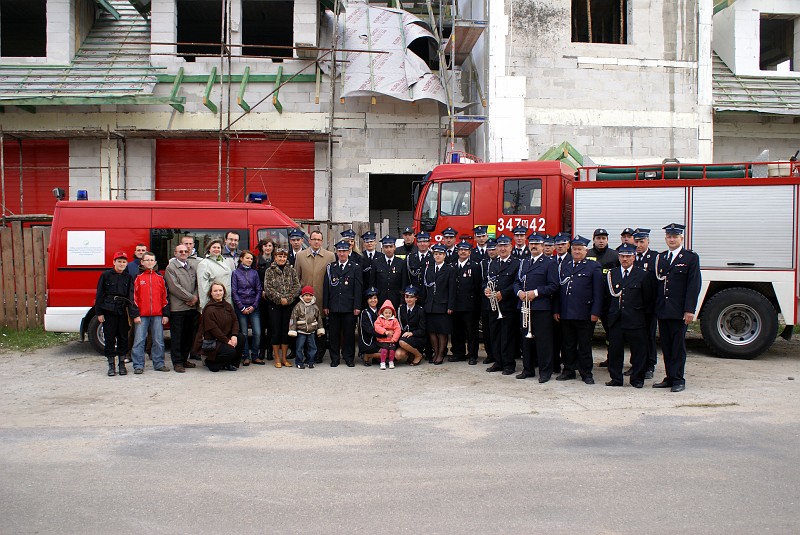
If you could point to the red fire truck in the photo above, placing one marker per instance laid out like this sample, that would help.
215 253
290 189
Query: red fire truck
86 234
742 219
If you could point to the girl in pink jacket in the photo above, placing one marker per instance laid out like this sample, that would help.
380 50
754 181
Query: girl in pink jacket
387 329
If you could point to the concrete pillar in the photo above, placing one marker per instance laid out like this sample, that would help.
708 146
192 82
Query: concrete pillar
84 172
163 29
138 170
60 31
306 23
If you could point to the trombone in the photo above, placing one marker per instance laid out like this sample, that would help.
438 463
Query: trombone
527 306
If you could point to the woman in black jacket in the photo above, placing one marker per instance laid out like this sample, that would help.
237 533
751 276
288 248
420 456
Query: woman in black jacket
367 345
264 252
440 300
412 322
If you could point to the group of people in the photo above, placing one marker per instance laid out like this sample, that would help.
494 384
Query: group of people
537 297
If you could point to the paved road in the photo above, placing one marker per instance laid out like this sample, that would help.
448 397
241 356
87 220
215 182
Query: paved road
446 449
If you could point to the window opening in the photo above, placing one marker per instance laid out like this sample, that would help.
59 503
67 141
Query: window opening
164 240
199 21
777 42
23 28
268 22
522 197
600 21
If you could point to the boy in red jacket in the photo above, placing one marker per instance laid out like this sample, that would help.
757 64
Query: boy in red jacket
149 312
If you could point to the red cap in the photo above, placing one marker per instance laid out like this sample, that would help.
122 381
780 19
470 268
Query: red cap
307 290
120 254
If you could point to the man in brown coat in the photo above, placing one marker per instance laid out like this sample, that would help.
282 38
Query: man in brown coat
310 265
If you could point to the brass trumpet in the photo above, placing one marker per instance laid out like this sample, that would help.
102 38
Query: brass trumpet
493 299
526 311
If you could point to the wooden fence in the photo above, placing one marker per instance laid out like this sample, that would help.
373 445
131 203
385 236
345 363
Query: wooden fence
23 265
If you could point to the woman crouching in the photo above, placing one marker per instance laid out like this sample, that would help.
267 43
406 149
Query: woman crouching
217 336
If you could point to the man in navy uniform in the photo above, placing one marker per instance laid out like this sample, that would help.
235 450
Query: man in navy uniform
479 253
580 302
418 261
449 240
646 259
535 286
562 243
626 236
464 340
561 254
520 249
549 245
408 244
631 293
349 235
679 281
504 334
342 304
485 312
389 274
295 244
608 259
368 257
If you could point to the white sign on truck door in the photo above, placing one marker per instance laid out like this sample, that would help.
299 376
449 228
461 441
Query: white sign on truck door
86 247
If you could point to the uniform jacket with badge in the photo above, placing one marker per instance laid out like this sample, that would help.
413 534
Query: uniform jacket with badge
582 291
648 261
520 254
678 284
366 323
149 295
389 280
342 288
468 286
540 275
607 258
439 290
412 321
477 256
114 292
367 267
415 267
504 275
635 300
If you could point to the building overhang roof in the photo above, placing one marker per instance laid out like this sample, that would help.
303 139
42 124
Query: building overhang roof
773 95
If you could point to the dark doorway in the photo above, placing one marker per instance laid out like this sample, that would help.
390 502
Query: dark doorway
23 28
267 22
199 21
390 198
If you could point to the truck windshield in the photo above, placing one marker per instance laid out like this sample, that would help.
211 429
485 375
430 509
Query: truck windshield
430 207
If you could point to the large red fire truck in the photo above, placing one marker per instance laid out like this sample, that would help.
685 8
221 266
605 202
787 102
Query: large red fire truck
742 219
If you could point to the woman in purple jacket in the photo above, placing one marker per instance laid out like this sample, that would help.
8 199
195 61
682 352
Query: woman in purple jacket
246 291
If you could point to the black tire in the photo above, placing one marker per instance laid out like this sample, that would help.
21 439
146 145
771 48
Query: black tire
95 335
739 323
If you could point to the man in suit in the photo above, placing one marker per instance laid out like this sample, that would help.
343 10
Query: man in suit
631 292
503 331
646 260
520 249
464 340
417 261
311 265
342 304
479 253
389 274
449 240
579 304
679 281
535 286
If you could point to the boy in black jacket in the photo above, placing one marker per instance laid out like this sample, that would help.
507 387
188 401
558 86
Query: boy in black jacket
114 294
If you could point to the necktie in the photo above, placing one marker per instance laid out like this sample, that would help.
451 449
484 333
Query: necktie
624 274
639 257
389 262
437 270
341 266
669 258
559 260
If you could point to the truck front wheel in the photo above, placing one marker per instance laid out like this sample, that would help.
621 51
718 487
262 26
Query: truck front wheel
739 323
96 337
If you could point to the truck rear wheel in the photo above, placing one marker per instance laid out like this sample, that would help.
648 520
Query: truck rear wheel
739 323
96 337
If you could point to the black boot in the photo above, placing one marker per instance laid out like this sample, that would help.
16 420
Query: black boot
269 353
112 371
122 369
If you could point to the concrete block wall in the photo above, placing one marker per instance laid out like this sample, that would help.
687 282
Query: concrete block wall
60 31
306 22
85 153
742 137
602 97
139 169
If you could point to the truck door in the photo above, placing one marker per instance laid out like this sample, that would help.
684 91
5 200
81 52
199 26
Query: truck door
447 204
520 204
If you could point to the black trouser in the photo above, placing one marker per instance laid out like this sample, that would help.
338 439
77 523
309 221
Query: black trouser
576 347
540 351
115 331
266 329
673 347
226 355
342 336
279 323
650 342
617 337
464 339
182 327
504 337
557 346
